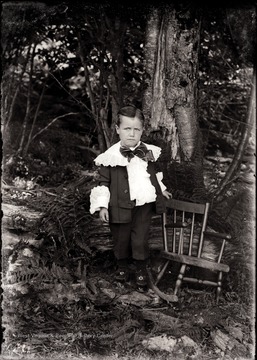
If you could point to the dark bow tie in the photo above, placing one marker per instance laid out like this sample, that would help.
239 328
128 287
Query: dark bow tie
141 151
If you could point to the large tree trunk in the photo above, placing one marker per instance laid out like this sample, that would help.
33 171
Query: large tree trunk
161 122
170 101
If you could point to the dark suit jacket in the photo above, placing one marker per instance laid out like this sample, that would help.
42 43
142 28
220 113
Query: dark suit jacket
116 179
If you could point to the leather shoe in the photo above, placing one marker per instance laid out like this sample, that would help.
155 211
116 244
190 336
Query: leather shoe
141 278
121 275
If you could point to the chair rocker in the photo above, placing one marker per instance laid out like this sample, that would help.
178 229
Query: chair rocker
186 241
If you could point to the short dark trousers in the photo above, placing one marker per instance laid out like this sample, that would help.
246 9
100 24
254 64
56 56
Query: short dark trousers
131 239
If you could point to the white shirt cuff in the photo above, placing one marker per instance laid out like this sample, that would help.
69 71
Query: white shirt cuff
99 197
159 176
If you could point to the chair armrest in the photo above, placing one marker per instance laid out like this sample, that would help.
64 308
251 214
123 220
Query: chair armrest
177 225
218 235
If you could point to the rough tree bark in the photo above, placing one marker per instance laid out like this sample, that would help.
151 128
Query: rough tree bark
170 100
154 103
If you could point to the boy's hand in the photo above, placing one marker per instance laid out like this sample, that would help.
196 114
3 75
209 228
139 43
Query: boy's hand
167 194
104 215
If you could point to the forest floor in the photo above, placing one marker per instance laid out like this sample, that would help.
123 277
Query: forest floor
104 320
49 315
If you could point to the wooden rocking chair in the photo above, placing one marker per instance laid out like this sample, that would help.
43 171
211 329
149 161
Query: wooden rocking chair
186 241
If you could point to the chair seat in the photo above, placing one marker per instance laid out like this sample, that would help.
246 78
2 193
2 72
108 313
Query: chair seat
195 261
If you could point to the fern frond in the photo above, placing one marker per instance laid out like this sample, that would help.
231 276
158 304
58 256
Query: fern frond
38 275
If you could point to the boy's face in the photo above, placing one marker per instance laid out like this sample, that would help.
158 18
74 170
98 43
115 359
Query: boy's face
130 131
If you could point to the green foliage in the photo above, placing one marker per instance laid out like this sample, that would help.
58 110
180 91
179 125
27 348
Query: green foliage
18 21
186 181
32 271
65 222
53 160
224 77
223 111
242 22
223 98
237 213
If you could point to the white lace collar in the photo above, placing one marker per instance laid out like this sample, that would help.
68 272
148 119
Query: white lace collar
113 157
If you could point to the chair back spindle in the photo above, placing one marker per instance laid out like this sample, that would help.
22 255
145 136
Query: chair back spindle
164 232
191 235
174 232
205 216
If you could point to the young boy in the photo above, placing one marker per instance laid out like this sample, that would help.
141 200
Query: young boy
129 191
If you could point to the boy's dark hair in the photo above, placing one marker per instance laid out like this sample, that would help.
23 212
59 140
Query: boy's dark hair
131 111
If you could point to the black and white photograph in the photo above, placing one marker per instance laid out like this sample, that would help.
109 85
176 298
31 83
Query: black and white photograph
128 180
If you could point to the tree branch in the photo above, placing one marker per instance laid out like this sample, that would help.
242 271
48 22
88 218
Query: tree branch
89 88
35 118
242 144
53 121
17 89
77 101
